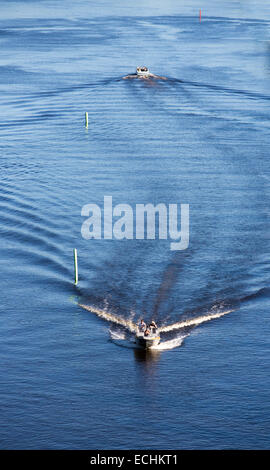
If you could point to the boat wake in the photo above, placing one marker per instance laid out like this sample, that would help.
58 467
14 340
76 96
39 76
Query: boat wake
111 317
124 335
171 343
194 321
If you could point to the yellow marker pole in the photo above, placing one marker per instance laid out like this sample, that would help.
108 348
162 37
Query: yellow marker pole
86 120
75 266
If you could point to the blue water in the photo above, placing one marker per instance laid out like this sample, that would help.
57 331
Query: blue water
200 138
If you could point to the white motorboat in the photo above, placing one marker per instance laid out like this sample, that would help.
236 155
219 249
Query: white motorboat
147 341
143 72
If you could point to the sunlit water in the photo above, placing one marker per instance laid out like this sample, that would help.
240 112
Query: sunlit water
72 377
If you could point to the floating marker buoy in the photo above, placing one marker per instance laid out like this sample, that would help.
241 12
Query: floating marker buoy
86 119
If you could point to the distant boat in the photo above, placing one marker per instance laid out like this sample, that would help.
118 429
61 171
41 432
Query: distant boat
147 341
143 72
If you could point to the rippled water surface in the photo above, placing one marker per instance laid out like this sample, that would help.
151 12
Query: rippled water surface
71 376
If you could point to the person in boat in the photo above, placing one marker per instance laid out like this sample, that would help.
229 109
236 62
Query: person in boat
153 327
142 326
147 332
142 69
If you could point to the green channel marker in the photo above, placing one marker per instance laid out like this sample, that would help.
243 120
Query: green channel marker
75 266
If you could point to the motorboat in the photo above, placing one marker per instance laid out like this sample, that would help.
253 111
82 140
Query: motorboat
147 341
143 72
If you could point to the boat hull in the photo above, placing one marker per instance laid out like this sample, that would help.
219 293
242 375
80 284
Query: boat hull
147 342
143 74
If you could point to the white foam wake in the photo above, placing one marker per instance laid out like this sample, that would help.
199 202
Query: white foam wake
193 321
120 338
170 344
111 317
117 335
